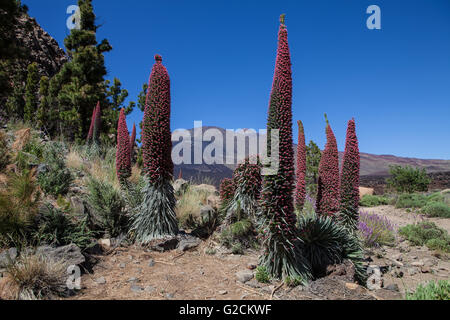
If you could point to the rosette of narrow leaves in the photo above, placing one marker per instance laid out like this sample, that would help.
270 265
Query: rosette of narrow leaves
328 186
247 183
282 257
156 216
123 159
350 179
300 190
326 243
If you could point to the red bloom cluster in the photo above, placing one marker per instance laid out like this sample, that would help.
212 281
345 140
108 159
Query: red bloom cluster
132 142
300 190
277 196
350 171
247 177
123 159
156 134
328 186
226 190
94 128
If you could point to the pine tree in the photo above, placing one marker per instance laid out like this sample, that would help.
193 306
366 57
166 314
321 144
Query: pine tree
313 156
80 83
116 97
31 90
300 190
350 179
282 257
328 202
156 217
123 159
15 104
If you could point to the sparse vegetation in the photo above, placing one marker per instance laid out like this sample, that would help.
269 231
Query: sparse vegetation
108 208
375 230
439 290
427 233
56 178
436 209
262 275
373 201
35 277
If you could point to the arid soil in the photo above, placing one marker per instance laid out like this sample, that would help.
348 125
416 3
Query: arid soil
140 274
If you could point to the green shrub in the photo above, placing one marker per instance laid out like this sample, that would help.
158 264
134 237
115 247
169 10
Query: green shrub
326 242
432 291
237 248
18 208
408 179
293 282
262 275
56 178
241 228
373 201
4 152
436 209
59 228
108 208
427 233
30 155
411 201
436 197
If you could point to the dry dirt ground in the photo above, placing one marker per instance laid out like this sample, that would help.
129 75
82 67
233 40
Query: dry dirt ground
139 274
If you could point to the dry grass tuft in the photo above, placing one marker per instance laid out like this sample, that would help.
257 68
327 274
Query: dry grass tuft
190 203
74 160
33 277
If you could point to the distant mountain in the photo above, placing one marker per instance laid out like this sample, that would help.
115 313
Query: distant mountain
371 165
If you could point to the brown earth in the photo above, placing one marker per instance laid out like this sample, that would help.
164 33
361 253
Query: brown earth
126 274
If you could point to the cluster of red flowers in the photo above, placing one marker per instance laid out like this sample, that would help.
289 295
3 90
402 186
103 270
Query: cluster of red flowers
300 190
328 202
94 128
277 196
247 177
156 134
226 190
350 171
123 158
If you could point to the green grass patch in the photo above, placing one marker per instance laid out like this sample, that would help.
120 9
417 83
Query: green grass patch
432 291
373 201
427 233
436 209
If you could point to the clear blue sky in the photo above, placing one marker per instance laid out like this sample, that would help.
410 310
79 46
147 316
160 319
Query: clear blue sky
220 56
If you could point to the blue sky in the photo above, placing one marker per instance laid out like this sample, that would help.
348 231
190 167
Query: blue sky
220 56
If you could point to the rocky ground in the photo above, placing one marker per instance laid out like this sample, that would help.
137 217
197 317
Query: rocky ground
138 273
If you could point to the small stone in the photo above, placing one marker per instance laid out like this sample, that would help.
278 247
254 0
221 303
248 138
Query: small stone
398 257
244 296
136 262
130 257
133 279
170 296
417 264
149 289
351 286
251 266
151 263
253 284
136 289
244 276
101 280
397 263
425 269
222 292
392 287
122 265
412 271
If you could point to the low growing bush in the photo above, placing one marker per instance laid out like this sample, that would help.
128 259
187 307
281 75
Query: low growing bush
108 208
35 277
375 230
436 209
408 179
56 178
262 275
373 201
411 201
432 291
427 233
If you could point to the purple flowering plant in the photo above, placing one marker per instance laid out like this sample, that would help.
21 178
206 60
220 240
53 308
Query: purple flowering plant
376 230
